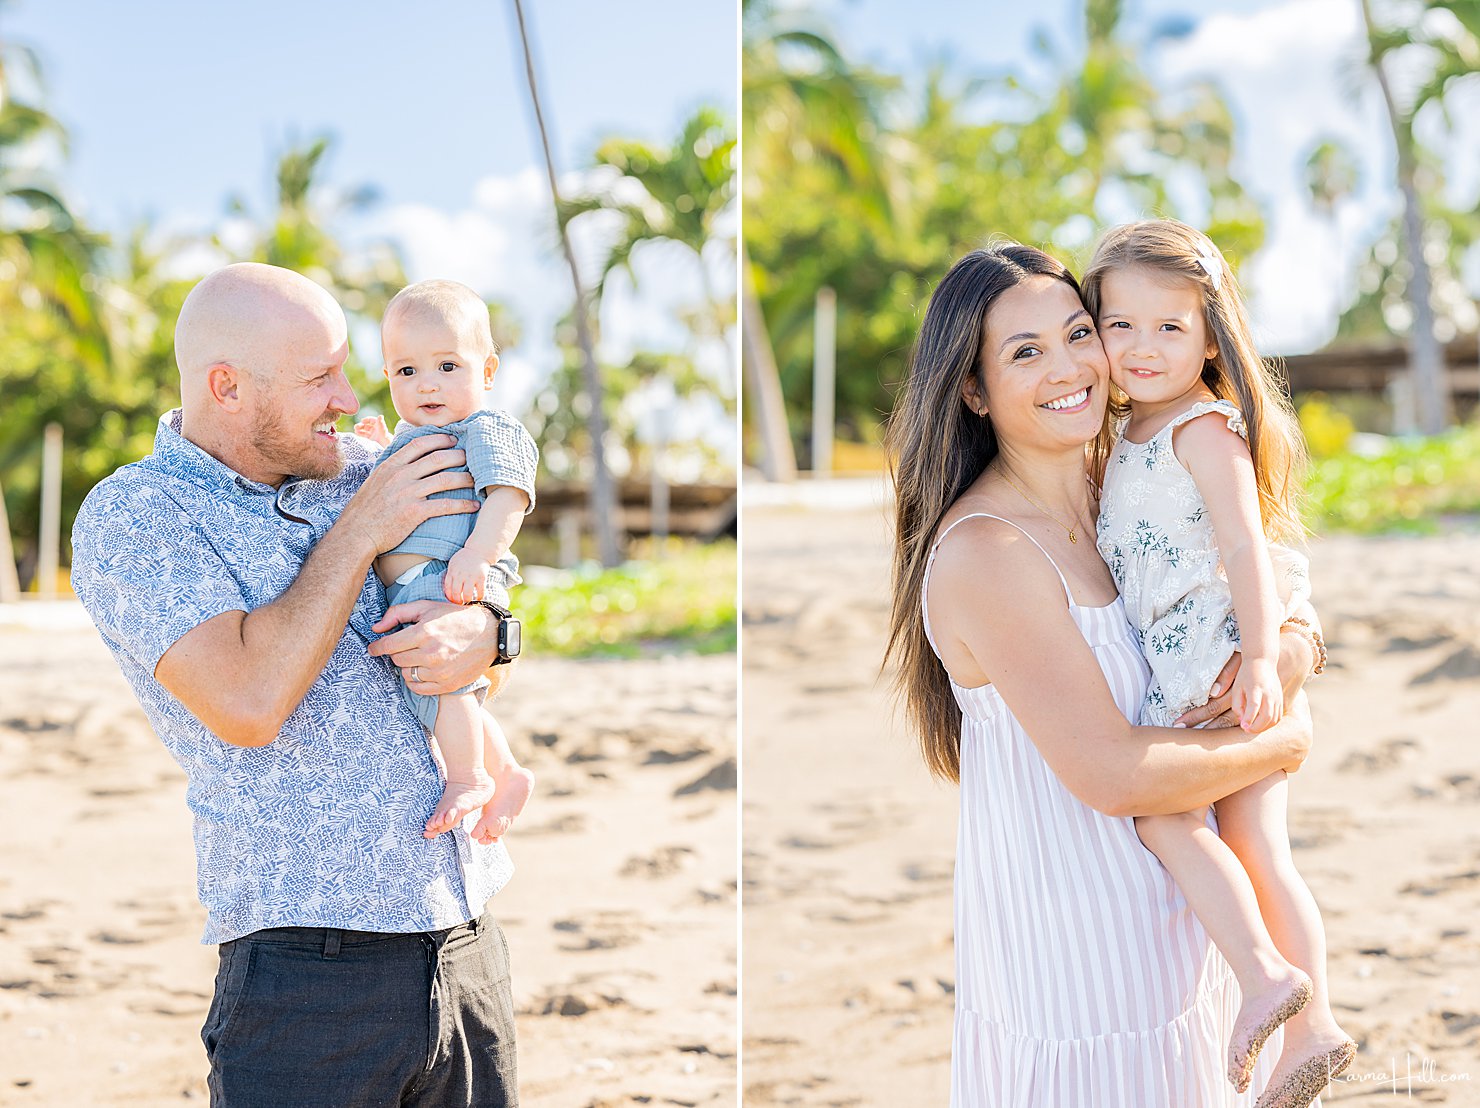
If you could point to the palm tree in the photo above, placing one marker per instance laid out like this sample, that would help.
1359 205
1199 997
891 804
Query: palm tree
51 324
686 189
46 256
804 102
603 493
1453 56
1133 136
1331 177
298 232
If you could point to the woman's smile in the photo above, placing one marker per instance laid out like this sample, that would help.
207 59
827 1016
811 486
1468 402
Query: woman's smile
1074 402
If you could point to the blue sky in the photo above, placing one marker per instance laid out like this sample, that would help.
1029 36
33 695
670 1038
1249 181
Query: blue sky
1291 72
173 106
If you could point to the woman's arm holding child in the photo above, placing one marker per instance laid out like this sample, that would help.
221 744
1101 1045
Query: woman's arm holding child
998 613
1221 466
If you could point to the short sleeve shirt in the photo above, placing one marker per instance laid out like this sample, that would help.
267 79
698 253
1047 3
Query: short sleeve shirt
322 826
499 452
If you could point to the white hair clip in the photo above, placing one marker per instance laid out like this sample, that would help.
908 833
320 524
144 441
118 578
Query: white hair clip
1207 257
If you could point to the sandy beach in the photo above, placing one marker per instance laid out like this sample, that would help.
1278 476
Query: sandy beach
849 846
621 918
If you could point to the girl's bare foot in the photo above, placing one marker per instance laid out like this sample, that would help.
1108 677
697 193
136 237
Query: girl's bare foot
1259 1015
514 788
1306 1068
459 799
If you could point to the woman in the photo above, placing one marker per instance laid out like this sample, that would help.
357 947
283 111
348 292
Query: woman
1082 976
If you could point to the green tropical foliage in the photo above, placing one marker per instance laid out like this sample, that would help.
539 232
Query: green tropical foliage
867 183
91 346
1443 50
683 598
677 194
1407 485
86 324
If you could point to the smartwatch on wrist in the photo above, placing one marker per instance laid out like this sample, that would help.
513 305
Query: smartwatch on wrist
510 633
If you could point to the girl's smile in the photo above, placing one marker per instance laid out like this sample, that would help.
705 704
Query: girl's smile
1154 335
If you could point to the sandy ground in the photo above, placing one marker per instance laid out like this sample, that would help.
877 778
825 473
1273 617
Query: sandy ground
621 918
849 846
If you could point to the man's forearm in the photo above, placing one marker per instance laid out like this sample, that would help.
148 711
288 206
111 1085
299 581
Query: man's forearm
287 642
242 674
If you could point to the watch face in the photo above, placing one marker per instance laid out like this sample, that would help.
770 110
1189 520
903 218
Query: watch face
513 636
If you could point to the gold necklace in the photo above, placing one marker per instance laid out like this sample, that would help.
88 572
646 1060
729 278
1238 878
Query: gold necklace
1041 509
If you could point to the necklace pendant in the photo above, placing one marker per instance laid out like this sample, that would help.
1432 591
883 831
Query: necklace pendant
1072 539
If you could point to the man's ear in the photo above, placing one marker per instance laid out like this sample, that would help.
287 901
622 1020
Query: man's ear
223 382
971 394
490 367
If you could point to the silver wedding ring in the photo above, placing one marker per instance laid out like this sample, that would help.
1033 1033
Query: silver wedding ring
414 677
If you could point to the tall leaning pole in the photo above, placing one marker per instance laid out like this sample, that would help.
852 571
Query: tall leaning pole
10 586
603 493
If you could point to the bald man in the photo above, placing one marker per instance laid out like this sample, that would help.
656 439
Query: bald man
229 572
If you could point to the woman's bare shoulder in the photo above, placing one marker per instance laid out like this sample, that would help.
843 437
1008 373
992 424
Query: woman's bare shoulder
987 566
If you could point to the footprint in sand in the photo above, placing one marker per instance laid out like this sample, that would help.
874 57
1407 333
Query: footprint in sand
571 824
608 931
1439 886
802 842
1462 788
573 1004
931 871
1384 756
666 757
723 776
1462 665
663 862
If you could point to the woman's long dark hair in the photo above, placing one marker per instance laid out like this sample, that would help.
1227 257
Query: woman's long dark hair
937 447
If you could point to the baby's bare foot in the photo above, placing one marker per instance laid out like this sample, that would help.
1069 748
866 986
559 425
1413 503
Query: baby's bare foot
514 788
1259 1015
459 799
1306 1067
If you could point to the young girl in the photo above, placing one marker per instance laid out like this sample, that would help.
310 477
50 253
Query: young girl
1205 472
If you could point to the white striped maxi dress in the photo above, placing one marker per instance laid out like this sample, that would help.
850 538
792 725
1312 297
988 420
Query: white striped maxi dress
1083 980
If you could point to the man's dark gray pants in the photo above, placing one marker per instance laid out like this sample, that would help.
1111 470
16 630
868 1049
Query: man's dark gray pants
314 1017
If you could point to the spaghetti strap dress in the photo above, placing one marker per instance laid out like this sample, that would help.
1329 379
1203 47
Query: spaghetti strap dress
1083 979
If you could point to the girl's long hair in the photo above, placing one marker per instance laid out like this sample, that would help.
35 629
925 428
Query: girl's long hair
937 447
1236 373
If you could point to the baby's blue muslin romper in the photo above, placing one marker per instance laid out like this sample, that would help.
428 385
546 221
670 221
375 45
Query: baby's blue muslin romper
499 452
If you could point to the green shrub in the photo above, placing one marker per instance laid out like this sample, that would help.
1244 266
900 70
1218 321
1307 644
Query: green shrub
682 602
1407 486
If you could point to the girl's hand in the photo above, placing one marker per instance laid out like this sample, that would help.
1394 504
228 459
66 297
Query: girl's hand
374 429
1220 699
1258 697
465 577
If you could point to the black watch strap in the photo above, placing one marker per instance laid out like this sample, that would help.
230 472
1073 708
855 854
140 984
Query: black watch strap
510 633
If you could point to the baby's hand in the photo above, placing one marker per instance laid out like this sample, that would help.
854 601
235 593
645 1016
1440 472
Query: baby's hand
374 429
1258 697
465 577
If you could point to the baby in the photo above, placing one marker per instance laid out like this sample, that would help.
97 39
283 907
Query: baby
440 358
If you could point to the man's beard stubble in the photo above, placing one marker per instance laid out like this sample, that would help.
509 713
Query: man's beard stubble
283 450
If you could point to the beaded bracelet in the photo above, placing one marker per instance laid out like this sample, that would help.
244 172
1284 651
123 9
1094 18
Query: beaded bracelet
1317 644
